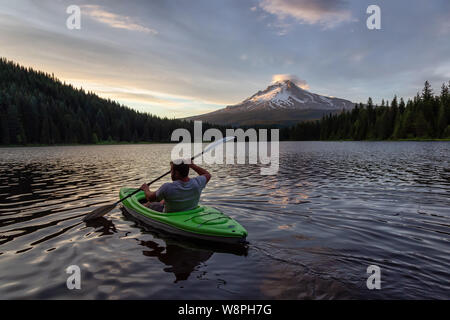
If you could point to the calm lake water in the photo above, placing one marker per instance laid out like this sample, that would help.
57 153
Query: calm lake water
333 209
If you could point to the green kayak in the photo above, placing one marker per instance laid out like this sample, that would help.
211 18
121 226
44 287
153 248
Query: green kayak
204 222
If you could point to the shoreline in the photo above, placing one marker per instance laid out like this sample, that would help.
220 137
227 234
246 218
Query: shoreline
172 142
78 144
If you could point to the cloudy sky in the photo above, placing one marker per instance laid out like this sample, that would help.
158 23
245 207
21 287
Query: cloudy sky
181 58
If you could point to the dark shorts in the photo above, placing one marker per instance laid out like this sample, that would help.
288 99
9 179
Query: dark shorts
156 206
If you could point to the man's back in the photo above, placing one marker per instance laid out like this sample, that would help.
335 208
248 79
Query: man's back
181 195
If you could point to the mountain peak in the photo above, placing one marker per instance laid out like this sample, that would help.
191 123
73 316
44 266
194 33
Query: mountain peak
287 82
281 102
282 93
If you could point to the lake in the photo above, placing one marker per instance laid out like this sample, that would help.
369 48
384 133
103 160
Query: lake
333 209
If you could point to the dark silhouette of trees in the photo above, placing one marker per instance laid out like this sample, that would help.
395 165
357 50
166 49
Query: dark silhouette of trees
37 108
427 116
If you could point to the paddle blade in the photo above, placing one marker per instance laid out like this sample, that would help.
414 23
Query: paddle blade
99 212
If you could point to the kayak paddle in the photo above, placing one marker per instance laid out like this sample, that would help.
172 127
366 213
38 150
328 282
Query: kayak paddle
100 212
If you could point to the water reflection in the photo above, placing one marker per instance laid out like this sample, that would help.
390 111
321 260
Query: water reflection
181 255
102 226
179 260
333 209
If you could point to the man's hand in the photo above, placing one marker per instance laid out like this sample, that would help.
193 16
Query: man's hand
200 171
150 196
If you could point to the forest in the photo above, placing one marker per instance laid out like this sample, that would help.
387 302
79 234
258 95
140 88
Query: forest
38 109
427 116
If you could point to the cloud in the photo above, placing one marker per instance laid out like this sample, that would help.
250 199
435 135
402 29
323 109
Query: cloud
444 27
114 20
328 13
157 103
282 77
357 57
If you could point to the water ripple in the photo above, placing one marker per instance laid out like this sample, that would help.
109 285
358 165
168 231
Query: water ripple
333 209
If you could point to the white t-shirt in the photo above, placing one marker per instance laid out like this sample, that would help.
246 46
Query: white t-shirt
181 196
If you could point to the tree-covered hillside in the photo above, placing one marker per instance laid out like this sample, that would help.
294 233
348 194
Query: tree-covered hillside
425 117
37 108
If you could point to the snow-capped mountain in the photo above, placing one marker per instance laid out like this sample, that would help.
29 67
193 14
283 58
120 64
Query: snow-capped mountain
282 102
286 95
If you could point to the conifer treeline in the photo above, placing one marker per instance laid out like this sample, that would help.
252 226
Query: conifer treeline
37 108
425 117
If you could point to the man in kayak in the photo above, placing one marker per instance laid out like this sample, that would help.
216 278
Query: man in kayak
180 195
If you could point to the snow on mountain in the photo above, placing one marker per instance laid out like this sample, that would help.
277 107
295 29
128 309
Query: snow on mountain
282 102
287 95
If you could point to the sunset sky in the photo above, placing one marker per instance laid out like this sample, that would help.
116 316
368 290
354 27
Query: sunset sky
187 57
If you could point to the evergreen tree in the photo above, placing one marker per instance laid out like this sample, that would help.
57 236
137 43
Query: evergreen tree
427 92
442 121
16 131
4 128
401 106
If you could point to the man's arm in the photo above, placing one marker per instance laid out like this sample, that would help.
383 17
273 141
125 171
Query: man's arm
150 196
200 171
